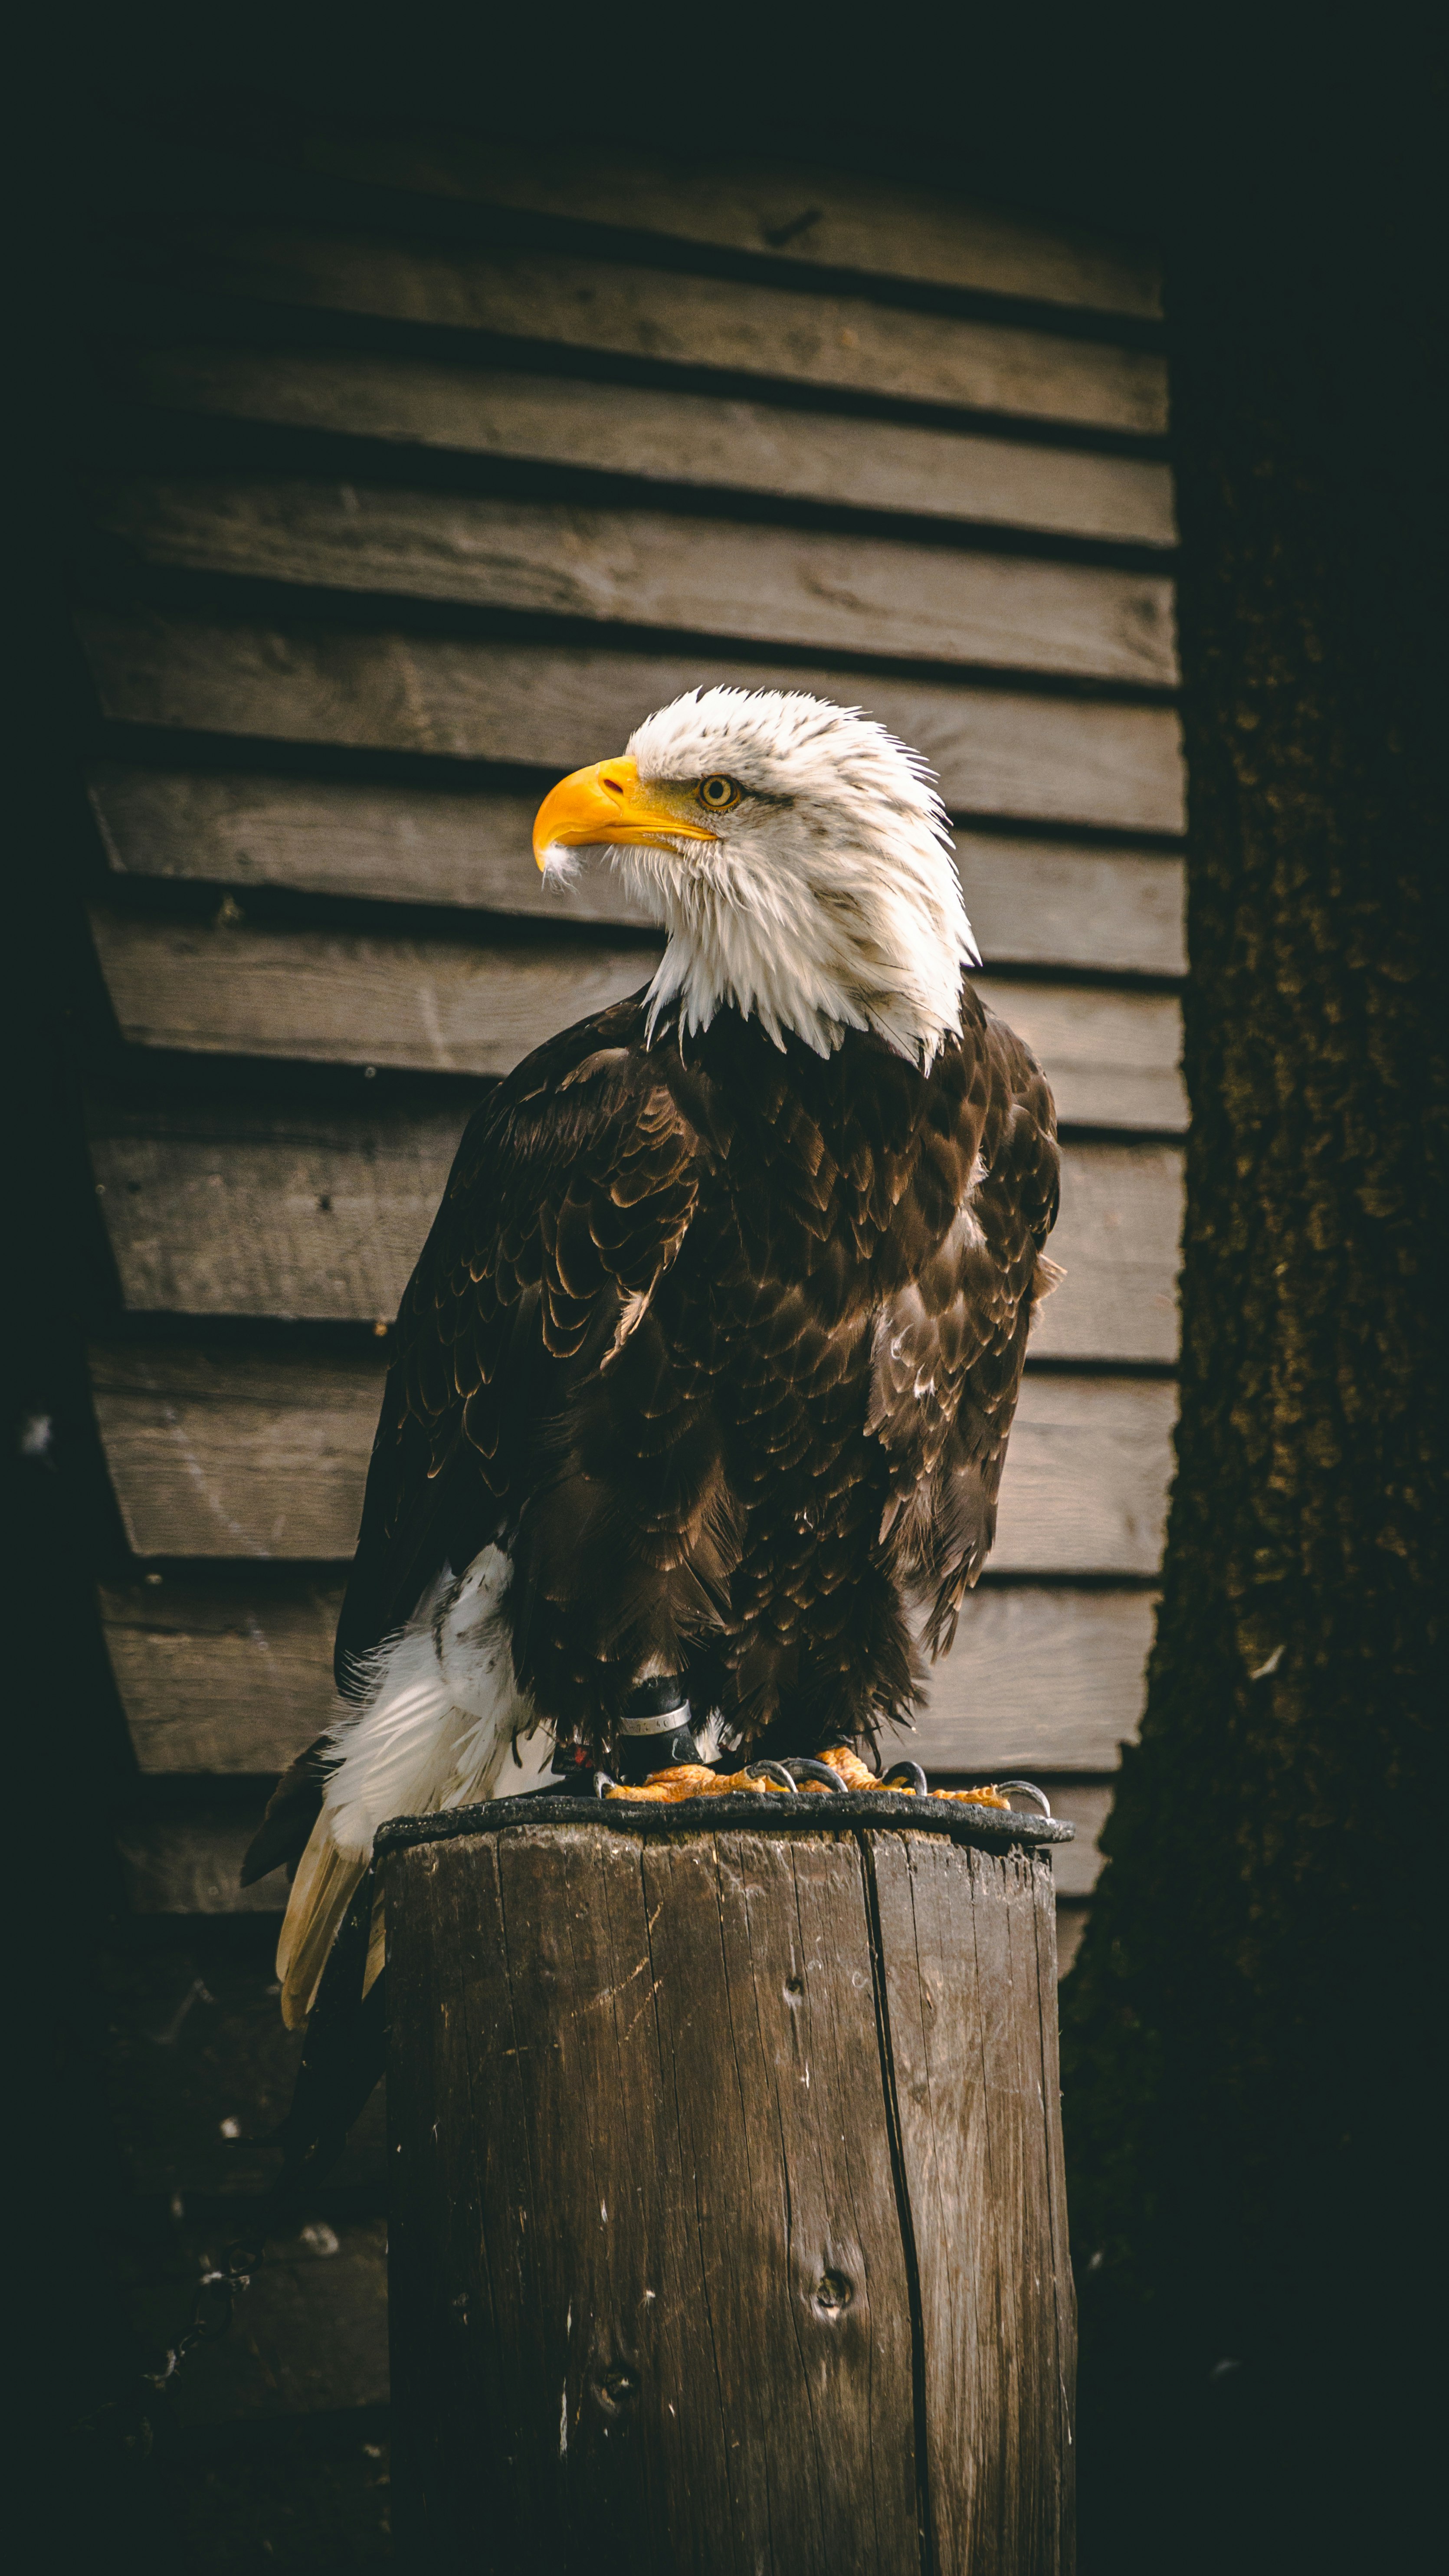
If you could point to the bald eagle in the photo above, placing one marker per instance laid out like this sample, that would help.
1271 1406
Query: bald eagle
705 1373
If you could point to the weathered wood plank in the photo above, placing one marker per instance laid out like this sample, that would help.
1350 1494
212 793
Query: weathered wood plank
1039 1679
1117 1237
236 1453
225 1212
221 1453
772 210
841 343
1085 1485
818 2198
652 2032
1039 903
441 1006
1112 1058
322 836
689 2039
349 1000
969 2018
659 436
1032 903
216 1680
449 2042
645 568
1071 1924
550 707
213 1680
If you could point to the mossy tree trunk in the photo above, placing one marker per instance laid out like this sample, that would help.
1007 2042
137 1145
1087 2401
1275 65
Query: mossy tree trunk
1247 2053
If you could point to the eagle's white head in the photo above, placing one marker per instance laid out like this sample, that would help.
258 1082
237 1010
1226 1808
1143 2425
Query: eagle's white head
798 857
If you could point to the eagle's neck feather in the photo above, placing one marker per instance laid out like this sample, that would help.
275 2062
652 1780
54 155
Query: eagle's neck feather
810 952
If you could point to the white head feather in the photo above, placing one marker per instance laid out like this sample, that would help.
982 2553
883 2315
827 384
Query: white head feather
829 900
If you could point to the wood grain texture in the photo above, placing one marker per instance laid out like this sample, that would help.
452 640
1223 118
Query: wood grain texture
225 1212
708 442
1031 902
645 568
1038 1680
221 1453
684 2039
1112 1058
1084 1489
1040 903
230 990
970 1967
441 1006
269 1213
837 342
213 1680
1072 1921
771 210
236 1453
597 1996
550 706
1117 1238
323 836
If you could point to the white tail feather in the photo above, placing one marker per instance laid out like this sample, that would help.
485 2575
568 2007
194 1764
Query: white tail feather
438 1715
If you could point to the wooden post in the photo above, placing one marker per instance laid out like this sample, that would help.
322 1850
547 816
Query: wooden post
728 2229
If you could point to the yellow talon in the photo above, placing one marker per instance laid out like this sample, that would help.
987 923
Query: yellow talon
692 1780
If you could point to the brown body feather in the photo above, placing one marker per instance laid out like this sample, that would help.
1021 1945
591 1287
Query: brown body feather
722 1346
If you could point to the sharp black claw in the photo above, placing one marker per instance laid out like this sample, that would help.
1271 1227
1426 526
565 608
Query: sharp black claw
1028 1789
801 1767
776 1771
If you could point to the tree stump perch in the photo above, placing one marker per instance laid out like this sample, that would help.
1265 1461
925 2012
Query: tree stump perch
728 2228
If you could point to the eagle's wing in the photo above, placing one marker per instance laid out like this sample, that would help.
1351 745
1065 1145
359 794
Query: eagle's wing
569 1198
950 1343
523 1340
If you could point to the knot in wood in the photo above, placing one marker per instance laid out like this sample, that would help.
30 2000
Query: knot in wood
834 2293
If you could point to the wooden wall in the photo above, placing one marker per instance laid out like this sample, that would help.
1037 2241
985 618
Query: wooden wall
415 472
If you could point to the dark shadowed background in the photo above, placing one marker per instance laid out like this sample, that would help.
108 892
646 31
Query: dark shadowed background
1248 2050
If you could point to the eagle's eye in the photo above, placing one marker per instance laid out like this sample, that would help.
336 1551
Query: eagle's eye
719 794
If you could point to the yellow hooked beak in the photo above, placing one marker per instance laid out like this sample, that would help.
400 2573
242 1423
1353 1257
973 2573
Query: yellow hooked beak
607 803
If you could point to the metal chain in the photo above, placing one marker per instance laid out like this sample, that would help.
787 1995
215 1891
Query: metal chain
212 2308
